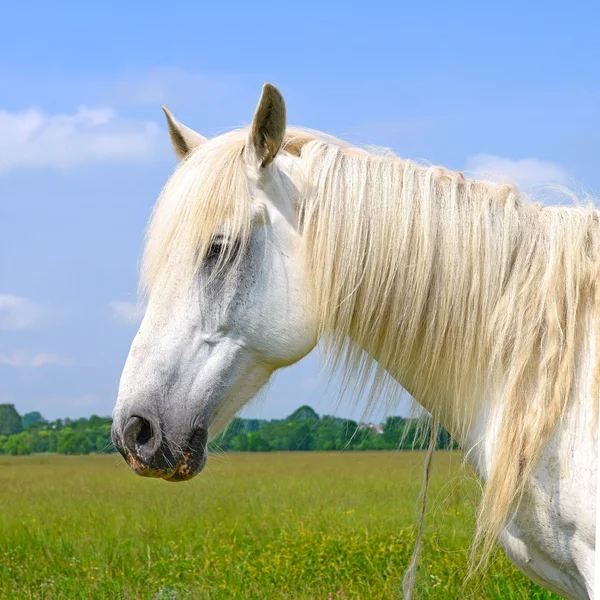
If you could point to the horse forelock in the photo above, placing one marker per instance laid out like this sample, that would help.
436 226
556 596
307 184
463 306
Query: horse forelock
208 193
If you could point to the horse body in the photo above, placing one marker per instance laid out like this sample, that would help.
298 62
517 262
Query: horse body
551 535
265 241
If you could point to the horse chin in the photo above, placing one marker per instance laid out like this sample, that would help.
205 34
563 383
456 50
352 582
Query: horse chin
179 477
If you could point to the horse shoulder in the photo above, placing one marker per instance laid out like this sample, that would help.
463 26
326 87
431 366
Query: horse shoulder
551 537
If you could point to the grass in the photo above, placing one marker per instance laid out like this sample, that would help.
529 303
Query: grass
276 526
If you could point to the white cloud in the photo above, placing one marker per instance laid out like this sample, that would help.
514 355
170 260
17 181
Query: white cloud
20 358
42 359
16 359
129 313
525 172
35 139
17 314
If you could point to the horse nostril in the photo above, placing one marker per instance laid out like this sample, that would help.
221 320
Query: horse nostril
145 434
138 434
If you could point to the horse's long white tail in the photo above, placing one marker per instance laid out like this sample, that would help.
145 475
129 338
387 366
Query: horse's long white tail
410 577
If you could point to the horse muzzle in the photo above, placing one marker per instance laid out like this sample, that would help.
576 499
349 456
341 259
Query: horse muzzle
151 453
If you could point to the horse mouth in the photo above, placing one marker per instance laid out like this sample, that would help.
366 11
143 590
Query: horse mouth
188 467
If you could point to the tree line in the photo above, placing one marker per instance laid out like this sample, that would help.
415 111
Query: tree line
31 433
303 430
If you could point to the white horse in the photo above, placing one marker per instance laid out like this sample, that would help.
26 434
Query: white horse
484 306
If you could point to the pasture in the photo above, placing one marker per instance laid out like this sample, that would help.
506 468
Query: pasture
252 526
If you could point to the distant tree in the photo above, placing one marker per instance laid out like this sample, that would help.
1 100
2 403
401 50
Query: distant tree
102 440
95 421
393 428
253 425
10 420
257 443
347 435
366 443
240 442
225 440
444 439
302 434
42 440
236 426
32 418
304 413
380 444
73 442
18 444
327 434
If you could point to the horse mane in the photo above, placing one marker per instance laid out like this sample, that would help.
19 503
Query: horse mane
454 285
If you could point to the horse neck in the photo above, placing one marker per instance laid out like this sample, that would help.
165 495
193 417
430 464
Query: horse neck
388 278
423 269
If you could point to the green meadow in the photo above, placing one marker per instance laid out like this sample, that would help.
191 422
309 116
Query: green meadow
266 526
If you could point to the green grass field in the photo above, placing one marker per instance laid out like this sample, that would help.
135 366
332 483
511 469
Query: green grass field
298 525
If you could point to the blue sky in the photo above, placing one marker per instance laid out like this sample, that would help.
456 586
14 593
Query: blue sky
504 89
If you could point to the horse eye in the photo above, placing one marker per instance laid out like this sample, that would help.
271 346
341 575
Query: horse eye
221 248
216 247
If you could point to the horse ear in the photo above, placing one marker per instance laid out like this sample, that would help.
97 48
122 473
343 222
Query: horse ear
267 129
183 138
